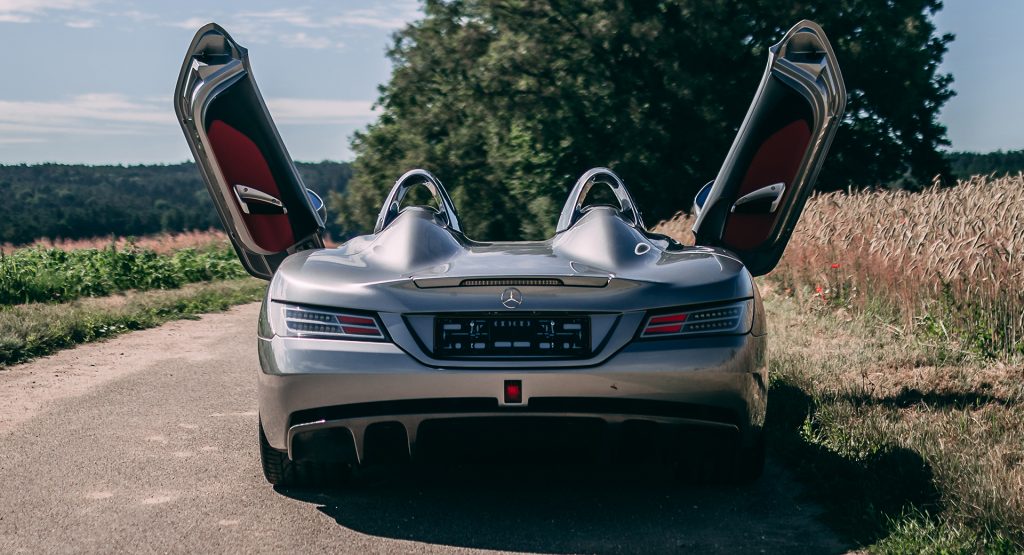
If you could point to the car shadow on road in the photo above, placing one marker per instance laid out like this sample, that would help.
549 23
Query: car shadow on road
561 508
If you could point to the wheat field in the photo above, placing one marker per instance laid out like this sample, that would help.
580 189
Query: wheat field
918 299
950 260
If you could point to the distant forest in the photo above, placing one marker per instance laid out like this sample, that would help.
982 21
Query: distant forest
966 164
76 201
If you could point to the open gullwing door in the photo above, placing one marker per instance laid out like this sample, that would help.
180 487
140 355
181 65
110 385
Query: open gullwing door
753 205
260 198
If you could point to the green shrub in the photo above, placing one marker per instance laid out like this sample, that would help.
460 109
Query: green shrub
36 329
49 275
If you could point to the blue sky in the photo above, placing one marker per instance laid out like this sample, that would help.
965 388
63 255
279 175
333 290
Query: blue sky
90 81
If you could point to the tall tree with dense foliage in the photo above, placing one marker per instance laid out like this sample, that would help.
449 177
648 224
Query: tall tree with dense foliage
508 101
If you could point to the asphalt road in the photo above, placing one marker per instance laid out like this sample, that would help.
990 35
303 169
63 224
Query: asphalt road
147 443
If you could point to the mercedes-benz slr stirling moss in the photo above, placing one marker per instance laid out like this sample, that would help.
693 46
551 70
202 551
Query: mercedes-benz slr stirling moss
416 339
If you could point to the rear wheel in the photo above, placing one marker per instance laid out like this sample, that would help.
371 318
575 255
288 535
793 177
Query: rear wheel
279 470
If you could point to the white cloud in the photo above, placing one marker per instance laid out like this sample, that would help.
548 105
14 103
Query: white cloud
81 23
88 114
136 15
302 40
25 11
19 140
393 17
296 17
36 6
313 111
257 26
192 23
291 26
106 114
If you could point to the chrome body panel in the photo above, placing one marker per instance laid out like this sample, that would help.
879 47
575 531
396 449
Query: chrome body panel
413 269
727 372
602 272
380 272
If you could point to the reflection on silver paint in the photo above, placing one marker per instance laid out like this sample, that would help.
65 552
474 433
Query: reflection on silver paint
390 271
601 270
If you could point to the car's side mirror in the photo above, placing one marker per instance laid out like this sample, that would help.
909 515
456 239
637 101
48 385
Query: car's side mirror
701 198
318 205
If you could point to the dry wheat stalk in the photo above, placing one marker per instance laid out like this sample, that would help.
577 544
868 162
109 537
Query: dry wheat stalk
955 254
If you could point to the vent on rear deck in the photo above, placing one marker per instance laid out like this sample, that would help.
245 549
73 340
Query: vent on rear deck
510 282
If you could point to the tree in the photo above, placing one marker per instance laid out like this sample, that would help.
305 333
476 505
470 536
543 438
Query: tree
966 164
508 101
75 201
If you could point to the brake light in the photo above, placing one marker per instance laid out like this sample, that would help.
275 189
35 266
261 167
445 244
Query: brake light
671 323
732 318
300 321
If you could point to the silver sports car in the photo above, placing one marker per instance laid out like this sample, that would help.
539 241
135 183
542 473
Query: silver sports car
417 341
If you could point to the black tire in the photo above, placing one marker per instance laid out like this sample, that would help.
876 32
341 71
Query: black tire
279 470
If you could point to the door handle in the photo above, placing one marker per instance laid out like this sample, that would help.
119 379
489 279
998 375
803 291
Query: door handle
254 201
763 200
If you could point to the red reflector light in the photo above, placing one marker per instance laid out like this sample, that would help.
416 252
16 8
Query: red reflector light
353 330
357 320
670 319
513 391
667 324
664 329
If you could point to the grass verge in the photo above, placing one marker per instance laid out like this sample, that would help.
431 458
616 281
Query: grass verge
32 330
909 449
37 274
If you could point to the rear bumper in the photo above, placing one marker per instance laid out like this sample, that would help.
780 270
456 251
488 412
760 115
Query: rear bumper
308 387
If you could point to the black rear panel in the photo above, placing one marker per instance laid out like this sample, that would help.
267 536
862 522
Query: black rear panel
512 336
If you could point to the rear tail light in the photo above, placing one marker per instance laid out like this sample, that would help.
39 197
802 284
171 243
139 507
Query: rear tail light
725 319
300 321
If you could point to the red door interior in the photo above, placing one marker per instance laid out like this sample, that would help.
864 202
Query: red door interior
242 163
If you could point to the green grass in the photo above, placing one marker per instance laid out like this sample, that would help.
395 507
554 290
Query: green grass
36 329
49 275
911 446
919 533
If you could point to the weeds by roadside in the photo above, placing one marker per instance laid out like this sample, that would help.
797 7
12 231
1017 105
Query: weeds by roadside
37 274
32 330
908 450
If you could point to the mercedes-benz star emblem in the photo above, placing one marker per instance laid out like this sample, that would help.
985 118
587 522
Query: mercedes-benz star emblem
511 298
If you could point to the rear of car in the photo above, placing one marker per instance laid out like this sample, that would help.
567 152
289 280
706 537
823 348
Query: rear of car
339 387
399 341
